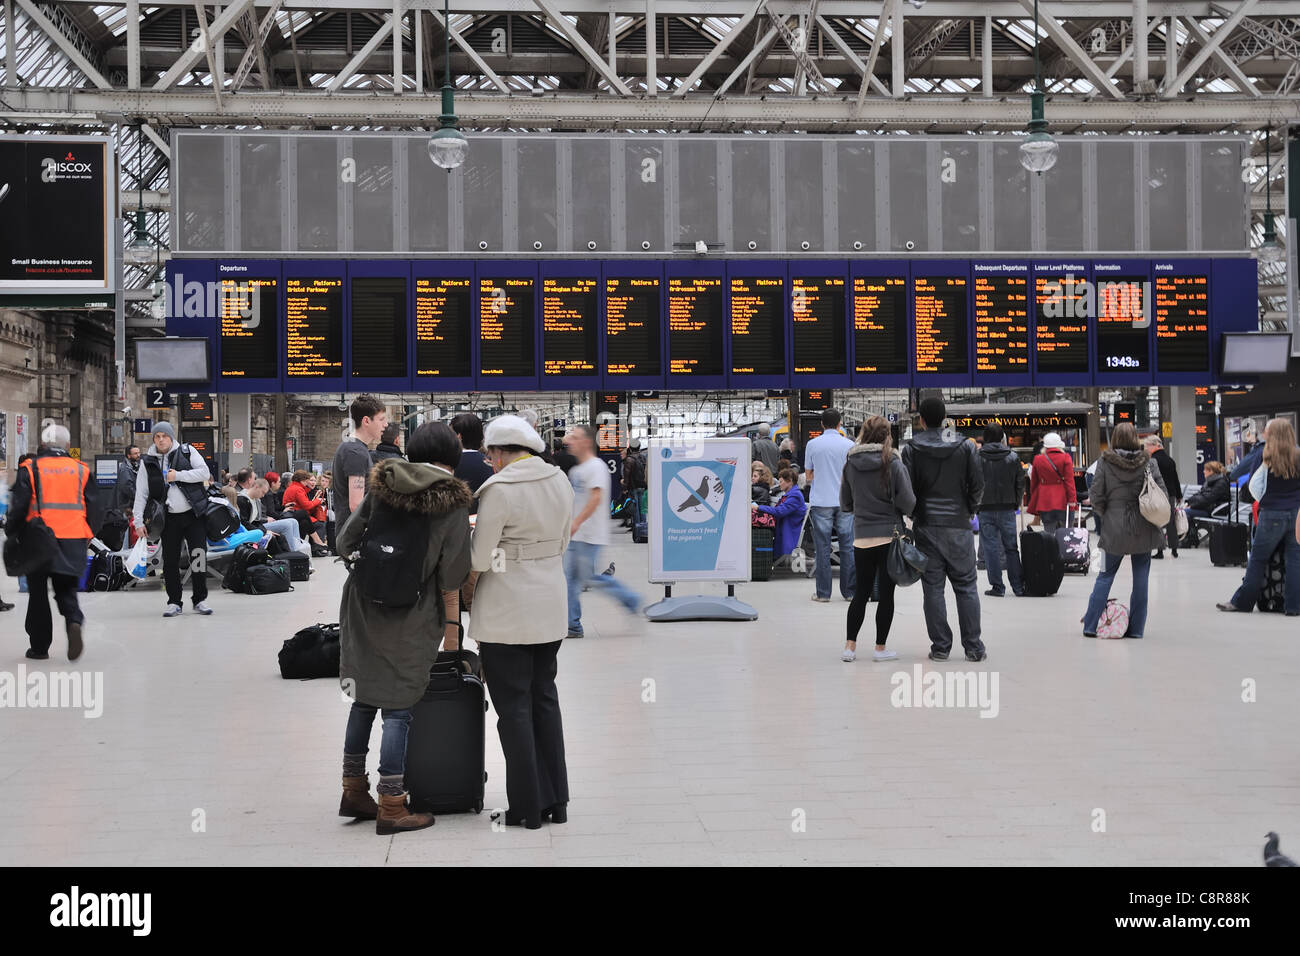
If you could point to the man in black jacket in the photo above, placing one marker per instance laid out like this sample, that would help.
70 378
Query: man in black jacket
1169 475
1004 488
948 483
473 468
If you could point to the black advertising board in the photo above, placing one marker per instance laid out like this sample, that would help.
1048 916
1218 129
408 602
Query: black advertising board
55 219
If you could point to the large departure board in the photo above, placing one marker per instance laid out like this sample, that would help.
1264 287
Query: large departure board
695 325
1061 322
569 333
632 326
1122 323
817 311
939 308
757 324
1182 317
1001 320
379 327
880 324
506 327
442 327
314 329
250 343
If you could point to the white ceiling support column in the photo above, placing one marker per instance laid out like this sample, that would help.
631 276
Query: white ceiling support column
1171 52
613 38
217 57
1222 56
1207 48
205 40
899 54
847 52
66 46
887 8
1141 66
1091 71
651 51
472 53
11 55
132 44
158 141
220 25
1127 54
417 28
721 47
759 48
398 14
373 44
571 33
986 58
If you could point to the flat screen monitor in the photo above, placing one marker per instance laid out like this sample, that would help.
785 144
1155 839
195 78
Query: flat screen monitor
378 327
569 333
1061 318
880 324
939 306
1182 317
817 311
632 326
506 327
1256 353
196 408
757 325
1002 322
250 340
695 326
314 326
442 327
172 360
1123 318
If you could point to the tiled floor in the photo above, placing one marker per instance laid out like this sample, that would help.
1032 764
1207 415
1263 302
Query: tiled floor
759 746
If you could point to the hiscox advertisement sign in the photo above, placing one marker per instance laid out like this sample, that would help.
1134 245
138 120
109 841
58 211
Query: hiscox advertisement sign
56 207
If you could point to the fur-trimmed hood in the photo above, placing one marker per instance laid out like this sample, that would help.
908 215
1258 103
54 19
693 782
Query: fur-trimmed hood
418 487
1126 460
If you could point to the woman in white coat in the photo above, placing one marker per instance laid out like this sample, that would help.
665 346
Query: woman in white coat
520 614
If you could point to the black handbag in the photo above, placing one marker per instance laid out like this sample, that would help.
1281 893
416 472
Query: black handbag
35 547
905 562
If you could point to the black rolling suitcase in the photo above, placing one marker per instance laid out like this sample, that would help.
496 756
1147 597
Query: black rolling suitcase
1272 596
761 563
445 749
1229 542
1040 559
299 564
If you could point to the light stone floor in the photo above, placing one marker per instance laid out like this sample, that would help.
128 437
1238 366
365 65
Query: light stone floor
759 746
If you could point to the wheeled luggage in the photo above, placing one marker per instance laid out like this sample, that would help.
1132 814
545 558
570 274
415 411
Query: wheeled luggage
445 747
1040 560
299 564
761 565
1229 542
1075 546
1272 596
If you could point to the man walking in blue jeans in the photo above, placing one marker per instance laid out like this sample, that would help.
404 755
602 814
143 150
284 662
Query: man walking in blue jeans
824 463
948 482
1004 489
591 484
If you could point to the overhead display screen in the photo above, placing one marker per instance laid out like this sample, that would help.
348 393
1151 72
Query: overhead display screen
314 329
378 327
817 311
695 325
880 324
1182 316
1002 321
1121 305
569 325
632 326
939 305
506 327
1061 323
757 325
442 327
250 344
196 408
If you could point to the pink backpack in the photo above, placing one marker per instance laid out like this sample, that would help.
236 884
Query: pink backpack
1114 620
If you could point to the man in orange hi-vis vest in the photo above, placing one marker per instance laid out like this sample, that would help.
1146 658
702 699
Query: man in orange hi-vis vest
62 486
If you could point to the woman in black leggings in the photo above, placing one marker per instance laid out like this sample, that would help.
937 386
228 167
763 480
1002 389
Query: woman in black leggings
877 490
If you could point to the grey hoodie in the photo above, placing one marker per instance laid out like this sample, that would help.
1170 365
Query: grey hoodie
863 492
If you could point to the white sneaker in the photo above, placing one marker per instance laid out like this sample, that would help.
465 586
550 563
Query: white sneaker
848 656
202 607
173 610
884 655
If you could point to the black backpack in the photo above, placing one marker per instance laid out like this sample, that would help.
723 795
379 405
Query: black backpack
312 652
389 570
245 557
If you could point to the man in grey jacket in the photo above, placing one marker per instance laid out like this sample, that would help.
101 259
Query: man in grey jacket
764 449
948 483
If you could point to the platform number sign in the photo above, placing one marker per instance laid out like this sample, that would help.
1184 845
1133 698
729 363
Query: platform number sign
157 397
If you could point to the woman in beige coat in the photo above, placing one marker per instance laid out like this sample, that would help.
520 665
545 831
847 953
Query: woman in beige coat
520 614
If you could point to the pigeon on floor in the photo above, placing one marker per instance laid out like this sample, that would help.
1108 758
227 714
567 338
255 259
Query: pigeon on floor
610 569
1273 856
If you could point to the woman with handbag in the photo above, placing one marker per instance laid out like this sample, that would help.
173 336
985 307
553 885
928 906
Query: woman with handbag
1127 492
877 491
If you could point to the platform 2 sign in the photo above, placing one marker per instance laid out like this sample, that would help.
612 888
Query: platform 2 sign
699 524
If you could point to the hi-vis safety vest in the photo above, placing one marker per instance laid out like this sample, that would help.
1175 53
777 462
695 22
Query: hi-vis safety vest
62 502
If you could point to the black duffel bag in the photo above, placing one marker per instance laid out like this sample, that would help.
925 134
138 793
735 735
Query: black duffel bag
35 547
312 652
268 578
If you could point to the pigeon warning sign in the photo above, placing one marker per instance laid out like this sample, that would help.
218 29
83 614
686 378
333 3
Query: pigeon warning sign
699 523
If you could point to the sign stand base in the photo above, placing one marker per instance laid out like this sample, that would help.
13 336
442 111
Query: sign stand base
701 607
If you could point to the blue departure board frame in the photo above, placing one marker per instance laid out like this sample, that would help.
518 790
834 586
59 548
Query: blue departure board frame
575 269
445 269
870 270
942 269
237 270
751 269
1018 268
821 269
634 269
690 270
1081 270
313 269
1234 306
1110 270
377 269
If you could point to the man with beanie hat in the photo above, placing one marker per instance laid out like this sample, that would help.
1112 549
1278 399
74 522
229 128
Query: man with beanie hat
170 485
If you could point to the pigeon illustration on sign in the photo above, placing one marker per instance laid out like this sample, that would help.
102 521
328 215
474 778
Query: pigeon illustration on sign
696 494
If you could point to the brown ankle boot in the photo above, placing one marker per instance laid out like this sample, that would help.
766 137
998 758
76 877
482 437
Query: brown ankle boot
357 801
394 817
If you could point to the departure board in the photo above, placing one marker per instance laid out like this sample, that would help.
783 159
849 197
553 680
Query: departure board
378 327
939 305
1121 305
1182 316
632 326
1061 323
506 327
250 343
817 308
314 330
757 325
695 325
880 324
1002 321
569 325
442 327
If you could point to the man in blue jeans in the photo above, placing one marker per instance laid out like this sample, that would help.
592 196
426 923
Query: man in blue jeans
591 486
1004 489
824 463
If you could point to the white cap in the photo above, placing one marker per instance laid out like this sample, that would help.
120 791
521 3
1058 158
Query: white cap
1053 440
512 430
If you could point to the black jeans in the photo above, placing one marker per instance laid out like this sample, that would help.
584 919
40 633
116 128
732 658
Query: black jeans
186 527
870 566
40 623
521 680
